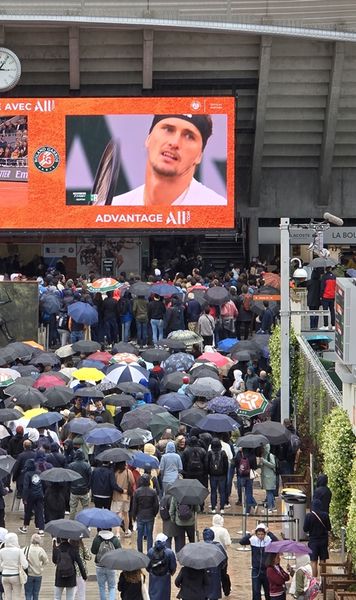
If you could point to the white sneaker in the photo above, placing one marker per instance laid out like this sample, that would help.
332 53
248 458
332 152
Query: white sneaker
41 532
213 511
22 529
324 328
128 533
222 512
227 506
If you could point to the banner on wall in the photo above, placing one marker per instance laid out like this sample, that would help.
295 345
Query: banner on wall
124 252
120 163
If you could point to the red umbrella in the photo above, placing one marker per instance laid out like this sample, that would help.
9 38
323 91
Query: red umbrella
104 357
48 381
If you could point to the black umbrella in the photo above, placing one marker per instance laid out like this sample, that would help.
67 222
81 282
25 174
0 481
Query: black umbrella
50 303
155 354
67 529
122 400
136 437
26 370
216 295
6 357
203 371
9 414
86 346
173 381
172 344
244 355
201 555
262 340
140 288
252 441
131 387
275 432
124 347
245 345
19 385
6 465
135 419
191 416
28 397
19 350
46 359
124 559
81 425
59 475
115 455
58 396
188 491
89 392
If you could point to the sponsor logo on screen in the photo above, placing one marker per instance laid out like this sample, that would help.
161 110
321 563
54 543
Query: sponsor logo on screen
46 159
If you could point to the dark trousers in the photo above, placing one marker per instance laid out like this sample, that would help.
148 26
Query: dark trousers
111 329
102 502
217 482
180 538
243 327
2 517
141 332
314 320
259 580
329 304
207 340
34 505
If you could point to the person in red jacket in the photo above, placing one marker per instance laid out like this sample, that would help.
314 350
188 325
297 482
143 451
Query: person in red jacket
327 291
276 576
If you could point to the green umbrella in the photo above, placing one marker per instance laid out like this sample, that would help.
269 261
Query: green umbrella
162 421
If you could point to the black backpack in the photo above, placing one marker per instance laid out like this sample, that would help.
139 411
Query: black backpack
185 512
164 509
158 563
217 463
194 461
65 565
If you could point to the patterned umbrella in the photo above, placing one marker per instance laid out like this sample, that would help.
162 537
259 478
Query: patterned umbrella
27 370
129 373
123 357
103 285
222 405
251 403
178 362
103 357
185 336
8 376
87 374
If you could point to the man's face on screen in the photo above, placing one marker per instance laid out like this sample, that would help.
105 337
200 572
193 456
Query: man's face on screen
174 147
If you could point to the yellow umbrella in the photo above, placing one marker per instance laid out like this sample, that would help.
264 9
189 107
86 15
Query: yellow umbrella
88 374
33 412
34 344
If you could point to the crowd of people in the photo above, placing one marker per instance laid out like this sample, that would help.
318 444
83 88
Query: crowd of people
13 142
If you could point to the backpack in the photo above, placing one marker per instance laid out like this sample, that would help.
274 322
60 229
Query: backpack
246 303
194 462
294 442
65 566
158 563
36 489
164 510
217 463
313 587
185 512
105 546
244 467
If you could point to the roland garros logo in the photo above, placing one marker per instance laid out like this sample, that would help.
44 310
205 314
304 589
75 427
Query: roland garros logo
46 159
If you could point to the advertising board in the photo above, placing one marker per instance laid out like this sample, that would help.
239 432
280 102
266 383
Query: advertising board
117 163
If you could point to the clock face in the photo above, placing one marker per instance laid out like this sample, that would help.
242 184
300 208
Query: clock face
10 69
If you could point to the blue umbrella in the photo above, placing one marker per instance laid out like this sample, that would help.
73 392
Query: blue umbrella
45 420
103 435
50 303
95 364
217 423
81 425
82 312
98 517
175 402
351 272
222 405
319 337
141 460
227 344
181 361
164 289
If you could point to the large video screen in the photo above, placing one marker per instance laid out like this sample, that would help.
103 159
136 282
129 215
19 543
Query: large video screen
117 163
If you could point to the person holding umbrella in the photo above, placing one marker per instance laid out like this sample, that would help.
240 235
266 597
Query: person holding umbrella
33 498
65 557
215 574
277 577
161 567
170 465
130 585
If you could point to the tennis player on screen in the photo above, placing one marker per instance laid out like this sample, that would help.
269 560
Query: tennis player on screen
175 146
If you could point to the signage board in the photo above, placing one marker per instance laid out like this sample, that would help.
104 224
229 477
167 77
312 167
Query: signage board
345 320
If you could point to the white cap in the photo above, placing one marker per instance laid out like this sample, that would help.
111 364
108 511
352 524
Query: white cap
261 526
161 537
157 272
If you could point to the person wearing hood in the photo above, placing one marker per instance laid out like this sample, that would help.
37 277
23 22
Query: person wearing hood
15 445
79 489
105 541
217 465
55 456
215 574
37 560
3 533
33 497
251 380
18 472
144 510
194 461
122 494
170 465
125 315
41 461
323 493
317 525
161 567
55 500
301 576
174 317
64 555
238 386
268 476
11 557
259 542
139 310
68 451
221 534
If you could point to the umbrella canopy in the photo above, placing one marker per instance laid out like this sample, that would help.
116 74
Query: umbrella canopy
206 387
20 383
252 441
103 285
48 381
131 387
67 529
28 396
173 381
217 423
179 361
58 396
45 420
203 371
155 355
124 559
322 263
246 345
251 403
103 357
46 359
88 392
140 288
115 455
81 425
172 344
136 437
125 347
188 491
191 416
222 405
215 357
123 357
141 460
65 351
216 295
275 432
50 303
59 475
289 546
6 465
9 414
26 370
200 555
243 355
162 421
98 517
105 435
19 350
135 418
86 346
82 312
88 374
175 402
226 344
127 373
186 336
33 412
165 289
91 364
272 279
122 400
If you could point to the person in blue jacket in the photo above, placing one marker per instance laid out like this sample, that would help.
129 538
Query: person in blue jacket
259 542
161 567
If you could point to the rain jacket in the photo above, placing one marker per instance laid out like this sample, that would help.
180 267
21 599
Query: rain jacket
171 464
258 549
81 466
323 493
145 501
160 585
268 469
30 490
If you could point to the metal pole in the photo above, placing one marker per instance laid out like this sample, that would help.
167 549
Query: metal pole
343 539
285 318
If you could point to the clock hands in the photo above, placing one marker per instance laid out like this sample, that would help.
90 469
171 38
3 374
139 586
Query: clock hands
3 63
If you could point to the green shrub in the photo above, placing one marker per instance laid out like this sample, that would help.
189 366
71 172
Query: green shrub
351 523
